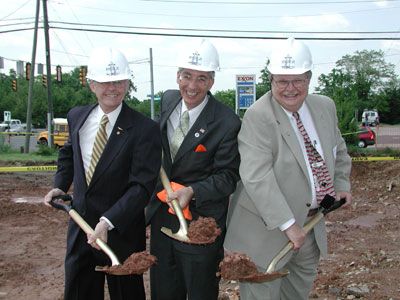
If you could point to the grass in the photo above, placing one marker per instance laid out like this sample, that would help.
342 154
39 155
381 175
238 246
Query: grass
44 154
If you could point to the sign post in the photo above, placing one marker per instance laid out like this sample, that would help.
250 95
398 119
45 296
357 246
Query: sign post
245 91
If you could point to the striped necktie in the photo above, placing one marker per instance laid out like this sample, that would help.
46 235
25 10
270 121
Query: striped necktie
179 133
322 180
98 147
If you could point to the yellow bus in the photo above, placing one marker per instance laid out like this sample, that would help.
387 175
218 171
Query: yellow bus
60 133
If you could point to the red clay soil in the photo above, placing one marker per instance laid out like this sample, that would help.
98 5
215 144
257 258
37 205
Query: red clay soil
136 263
203 231
363 261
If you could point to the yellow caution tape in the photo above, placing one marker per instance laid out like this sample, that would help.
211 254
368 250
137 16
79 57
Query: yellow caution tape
28 169
375 158
54 168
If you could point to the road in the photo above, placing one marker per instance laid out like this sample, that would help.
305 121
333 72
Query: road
17 142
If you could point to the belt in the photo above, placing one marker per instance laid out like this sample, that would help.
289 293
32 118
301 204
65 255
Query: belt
312 212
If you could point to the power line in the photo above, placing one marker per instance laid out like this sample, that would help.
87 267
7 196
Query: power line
231 36
265 3
226 30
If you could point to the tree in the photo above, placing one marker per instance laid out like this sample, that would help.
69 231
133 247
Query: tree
359 81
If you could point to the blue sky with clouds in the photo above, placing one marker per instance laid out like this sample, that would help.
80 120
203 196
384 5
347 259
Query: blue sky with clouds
71 48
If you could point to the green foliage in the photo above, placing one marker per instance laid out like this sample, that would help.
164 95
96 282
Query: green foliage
45 150
227 97
362 81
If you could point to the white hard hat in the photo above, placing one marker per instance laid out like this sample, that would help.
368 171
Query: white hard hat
202 57
292 58
108 64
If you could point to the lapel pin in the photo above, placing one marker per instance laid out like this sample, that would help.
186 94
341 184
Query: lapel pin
197 134
120 130
202 130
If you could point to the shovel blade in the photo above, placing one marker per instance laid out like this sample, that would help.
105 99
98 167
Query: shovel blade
113 270
264 277
177 236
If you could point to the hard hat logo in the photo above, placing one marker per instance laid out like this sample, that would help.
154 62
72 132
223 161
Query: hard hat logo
112 69
288 62
195 59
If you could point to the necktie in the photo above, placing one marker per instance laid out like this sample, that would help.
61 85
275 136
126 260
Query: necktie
98 147
179 133
322 180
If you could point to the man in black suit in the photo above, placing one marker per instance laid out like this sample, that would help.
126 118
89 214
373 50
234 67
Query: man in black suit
206 163
112 194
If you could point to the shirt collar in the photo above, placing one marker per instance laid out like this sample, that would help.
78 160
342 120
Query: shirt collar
112 116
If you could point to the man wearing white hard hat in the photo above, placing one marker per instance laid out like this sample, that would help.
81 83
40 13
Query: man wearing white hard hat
292 156
205 163
112 158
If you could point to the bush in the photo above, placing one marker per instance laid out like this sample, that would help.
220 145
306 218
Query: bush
45 150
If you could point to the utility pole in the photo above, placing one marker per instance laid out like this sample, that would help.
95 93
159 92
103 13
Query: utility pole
151 85
31 81
48 72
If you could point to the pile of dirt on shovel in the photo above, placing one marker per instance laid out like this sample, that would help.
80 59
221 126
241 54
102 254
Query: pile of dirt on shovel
236 266
203 231
136 263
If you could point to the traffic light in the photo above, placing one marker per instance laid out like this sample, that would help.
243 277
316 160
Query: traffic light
14 85
44 81
58 74
82 75
28 70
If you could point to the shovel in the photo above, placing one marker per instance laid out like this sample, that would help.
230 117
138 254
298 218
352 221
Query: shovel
181 235
61 202
327 205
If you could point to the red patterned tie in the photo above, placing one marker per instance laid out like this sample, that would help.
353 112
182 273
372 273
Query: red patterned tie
322 180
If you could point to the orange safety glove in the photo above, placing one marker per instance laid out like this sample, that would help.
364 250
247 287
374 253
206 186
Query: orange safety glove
162 196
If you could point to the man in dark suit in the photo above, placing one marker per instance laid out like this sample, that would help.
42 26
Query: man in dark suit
112 194
206 163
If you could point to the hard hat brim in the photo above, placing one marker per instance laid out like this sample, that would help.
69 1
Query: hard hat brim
294 71
108 78
199 68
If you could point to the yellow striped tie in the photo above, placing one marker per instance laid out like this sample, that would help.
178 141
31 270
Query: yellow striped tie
98 147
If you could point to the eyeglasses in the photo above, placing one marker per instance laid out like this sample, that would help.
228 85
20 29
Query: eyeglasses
297 83
187 79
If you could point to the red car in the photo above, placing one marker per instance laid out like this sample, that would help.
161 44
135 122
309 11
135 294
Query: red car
366 137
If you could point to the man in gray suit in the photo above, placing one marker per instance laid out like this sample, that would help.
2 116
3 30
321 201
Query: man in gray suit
281 136
207 164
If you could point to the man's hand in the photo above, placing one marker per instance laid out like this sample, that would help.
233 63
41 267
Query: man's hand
345 195
51 194
183 196
100 232
296 235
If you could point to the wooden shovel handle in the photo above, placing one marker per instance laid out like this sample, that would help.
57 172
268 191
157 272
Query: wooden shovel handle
175 205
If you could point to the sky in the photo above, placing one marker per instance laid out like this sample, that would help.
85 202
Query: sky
261 24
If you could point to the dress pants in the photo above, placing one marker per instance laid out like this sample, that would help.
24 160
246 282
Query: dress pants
82 282
302 268
181 275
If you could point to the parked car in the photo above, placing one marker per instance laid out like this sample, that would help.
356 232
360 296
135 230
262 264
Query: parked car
60 133
13 126
366 137
370 118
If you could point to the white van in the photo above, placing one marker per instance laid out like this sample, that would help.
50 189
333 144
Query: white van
370 118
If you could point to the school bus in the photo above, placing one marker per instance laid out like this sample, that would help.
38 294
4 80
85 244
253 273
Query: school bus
60 133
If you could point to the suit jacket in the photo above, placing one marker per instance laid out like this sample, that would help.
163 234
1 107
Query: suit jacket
123 180
275 185
212 174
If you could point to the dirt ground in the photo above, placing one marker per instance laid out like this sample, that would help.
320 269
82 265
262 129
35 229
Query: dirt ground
363 261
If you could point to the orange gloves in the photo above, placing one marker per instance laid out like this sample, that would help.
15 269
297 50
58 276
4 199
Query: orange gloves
162 196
